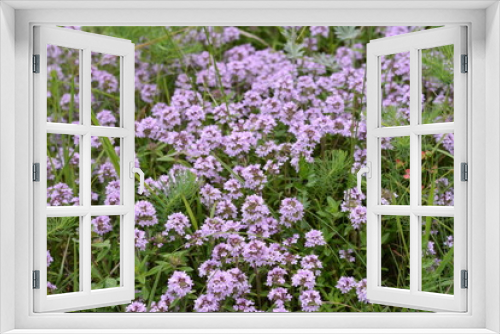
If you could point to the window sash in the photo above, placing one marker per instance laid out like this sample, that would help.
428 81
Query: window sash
86 297
413 298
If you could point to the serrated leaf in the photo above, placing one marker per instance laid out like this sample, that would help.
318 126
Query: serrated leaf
347 32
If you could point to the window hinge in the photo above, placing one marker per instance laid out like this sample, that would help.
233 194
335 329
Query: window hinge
36 63
464 279
465 64
36 279
36 172
464 173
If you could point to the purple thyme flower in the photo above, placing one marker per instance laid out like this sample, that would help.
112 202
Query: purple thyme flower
449 241
106 171
136 306
140 240
234 241
239 142
106 118
65 103
311 262
208 267
59 194
279 296
148 92
145 214
179 284
352 199
347 255
254 208
335 104
291 211
50 259
291 240
276 276
254 177
304 278
226 209
51 286
244 305
220 284
241 286
105 81
102 225
233 186
209 195
310 300
280 309
195 115
147 128
358 216
361 291
430 248
177 222
207 167
256 252
112 193
319 30
222 252
167 116
346 284
314 238
447 140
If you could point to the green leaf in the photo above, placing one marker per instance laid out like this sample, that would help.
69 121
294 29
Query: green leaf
108 147
192 217
110 283
230 170
175 160
104 244
346 32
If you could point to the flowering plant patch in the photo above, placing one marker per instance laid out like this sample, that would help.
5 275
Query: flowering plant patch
250 138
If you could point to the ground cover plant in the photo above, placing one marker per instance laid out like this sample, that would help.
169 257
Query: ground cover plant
250 138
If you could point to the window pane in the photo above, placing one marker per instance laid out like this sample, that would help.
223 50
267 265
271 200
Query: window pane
105 89
105 170
437 169
63 84
105 271
63 162
63 251
437 84
437 254
395 86
395 251
395 169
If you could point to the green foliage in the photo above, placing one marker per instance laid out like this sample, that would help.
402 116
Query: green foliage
346 32
319 185
293 49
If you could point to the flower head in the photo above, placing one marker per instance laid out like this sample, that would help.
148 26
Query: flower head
314 238
177 222
310 300
346 284
102 225
179 284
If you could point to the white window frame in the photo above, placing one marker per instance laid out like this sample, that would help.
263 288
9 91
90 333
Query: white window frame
484 103
85 43
414 43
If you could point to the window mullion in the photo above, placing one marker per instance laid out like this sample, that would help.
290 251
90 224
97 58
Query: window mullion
433 129
85 181
414 170
108 210
102 131
66 129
